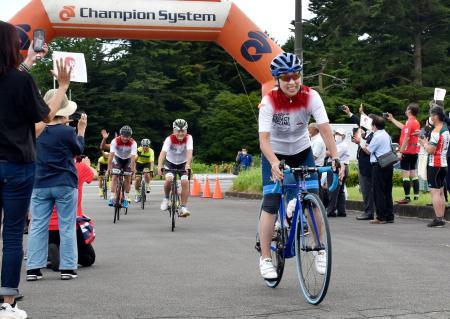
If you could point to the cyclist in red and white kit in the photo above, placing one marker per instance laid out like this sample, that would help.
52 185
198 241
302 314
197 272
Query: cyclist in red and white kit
176 154
123 153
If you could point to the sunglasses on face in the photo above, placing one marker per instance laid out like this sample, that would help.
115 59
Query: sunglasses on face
289 77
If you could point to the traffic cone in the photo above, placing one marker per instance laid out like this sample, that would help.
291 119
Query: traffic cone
195 191
217 190
206 189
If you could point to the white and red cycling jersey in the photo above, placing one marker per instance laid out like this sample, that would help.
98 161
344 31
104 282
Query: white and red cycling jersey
177 150
286 119
123 150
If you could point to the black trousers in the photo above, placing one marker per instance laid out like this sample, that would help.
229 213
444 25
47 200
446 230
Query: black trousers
337 197
382 192
86 253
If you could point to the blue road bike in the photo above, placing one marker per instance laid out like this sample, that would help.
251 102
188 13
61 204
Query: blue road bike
304 235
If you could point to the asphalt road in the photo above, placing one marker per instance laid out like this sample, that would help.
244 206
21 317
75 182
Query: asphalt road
208 268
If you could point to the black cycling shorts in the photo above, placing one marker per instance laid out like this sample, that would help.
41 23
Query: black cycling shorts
141 166
436 176
409 162
102 169
168 166
120 163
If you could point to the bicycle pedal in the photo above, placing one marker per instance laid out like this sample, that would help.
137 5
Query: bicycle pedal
258 246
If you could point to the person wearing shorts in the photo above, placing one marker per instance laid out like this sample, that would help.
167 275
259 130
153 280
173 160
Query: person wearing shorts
409 149
123 151
102 167
284 114
144 166
176 154
437 148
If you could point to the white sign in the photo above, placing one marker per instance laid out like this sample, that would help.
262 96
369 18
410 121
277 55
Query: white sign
116 14
75 61
439 94
366 122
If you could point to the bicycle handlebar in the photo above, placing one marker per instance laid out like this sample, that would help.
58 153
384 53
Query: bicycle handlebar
306 169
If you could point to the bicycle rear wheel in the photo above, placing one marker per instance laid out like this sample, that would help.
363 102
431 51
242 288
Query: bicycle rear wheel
277 246
313 250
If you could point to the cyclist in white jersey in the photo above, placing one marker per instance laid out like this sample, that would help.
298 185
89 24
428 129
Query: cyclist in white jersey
176 154
284 114
123 154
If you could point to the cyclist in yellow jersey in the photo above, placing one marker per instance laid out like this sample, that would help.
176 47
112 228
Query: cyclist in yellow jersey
102 167
144 165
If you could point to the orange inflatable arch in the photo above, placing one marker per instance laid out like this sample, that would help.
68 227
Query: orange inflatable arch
208 20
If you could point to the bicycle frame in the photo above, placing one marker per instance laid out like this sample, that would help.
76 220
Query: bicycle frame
300 188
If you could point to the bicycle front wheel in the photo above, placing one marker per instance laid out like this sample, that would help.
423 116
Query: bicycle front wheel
313 249
173 208
143 194
105 188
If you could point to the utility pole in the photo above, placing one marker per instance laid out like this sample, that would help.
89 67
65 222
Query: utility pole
298 49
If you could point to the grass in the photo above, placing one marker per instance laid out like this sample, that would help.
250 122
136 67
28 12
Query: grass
397 194
249 181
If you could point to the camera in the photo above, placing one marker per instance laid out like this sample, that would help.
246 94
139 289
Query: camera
385 115
340 107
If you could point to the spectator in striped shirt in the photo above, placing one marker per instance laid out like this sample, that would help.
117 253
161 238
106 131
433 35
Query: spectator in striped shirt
437 147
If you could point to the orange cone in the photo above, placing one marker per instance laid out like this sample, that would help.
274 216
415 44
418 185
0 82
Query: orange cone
217 190
206 189
195 191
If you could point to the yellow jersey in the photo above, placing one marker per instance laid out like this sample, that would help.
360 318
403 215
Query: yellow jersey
102 160
145 157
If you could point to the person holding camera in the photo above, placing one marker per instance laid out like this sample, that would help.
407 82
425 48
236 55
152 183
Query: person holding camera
22 108
56 183
362 137
409 150
437 147
243 159
379 146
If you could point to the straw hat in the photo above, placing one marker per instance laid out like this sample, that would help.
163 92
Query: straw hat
67 107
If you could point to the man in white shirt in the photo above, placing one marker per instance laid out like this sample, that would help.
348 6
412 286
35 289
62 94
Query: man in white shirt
337 197
317 144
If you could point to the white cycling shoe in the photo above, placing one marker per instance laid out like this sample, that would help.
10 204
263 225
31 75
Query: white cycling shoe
164 204
267 269
320 261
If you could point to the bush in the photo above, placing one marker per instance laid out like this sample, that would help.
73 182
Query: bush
202 168
353 180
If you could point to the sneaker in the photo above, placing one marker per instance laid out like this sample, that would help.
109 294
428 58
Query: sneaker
436 223
403 201
126 203
148 188
164 204
184 212
68 274
137 198
53 256
267 269
34 274
320 261
100 192
111 202
9 312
